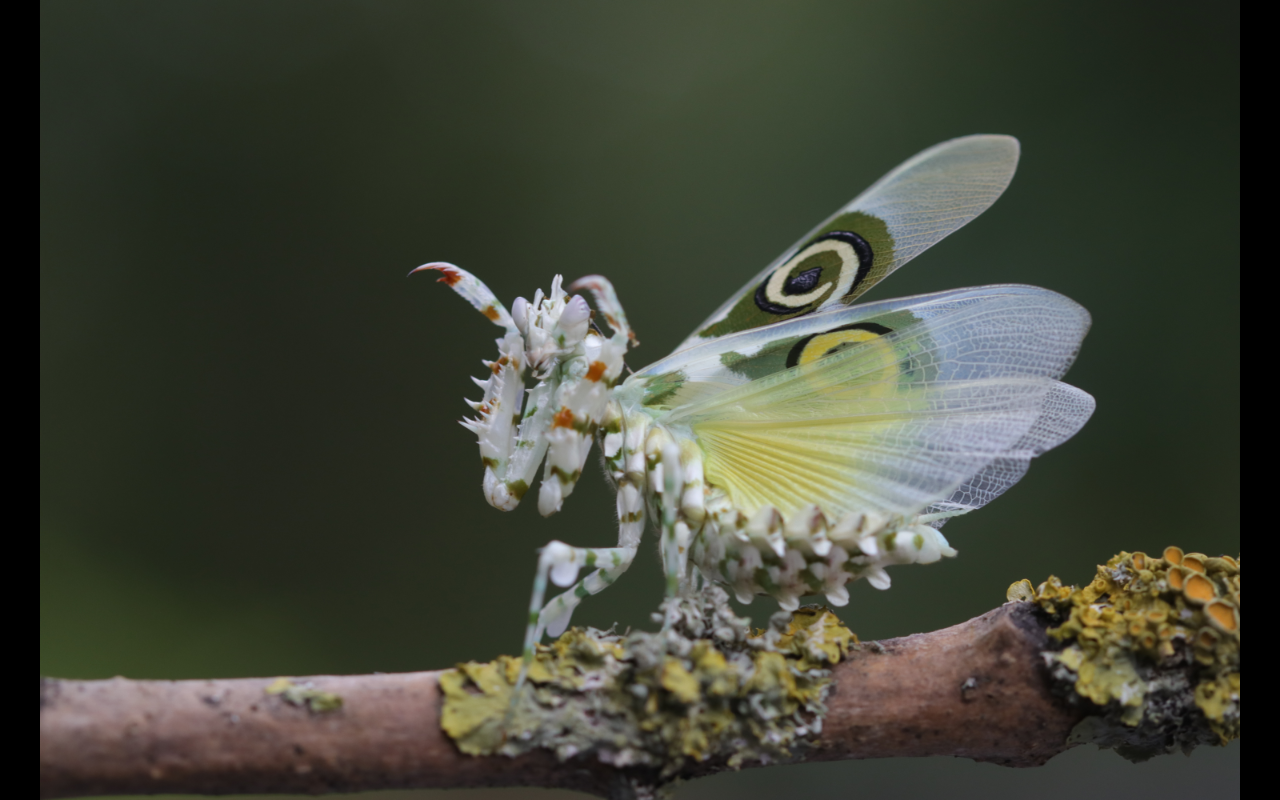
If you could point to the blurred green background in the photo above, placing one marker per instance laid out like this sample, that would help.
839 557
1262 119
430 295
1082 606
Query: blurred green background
249 458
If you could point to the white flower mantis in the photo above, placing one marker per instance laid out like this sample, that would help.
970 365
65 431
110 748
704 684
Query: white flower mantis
794 442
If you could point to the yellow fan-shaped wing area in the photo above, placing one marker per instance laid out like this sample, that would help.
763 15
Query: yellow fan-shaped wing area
899 422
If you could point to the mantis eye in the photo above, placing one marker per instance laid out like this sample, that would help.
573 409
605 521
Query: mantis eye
573 320
520 315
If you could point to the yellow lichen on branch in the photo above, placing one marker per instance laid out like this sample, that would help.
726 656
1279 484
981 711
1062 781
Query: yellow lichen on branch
704 686
1146 638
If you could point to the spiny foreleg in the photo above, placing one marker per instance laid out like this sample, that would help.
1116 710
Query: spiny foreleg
607 301
583 405
499 408
531 441
473 290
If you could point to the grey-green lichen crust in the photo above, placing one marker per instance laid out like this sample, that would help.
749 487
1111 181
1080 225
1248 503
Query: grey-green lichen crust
1153 644
304 695
703 687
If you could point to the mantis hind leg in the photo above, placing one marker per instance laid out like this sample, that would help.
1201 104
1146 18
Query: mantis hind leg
561 563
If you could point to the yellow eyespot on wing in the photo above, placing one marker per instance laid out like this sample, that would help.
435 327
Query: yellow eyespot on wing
829 343
881 362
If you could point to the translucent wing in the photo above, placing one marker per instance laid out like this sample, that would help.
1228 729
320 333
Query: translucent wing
1063 412
712 367
929 403
903 214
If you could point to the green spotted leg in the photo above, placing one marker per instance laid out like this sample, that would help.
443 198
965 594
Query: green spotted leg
675 533
561 563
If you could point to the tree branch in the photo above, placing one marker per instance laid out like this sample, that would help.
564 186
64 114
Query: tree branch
977 690
1145 659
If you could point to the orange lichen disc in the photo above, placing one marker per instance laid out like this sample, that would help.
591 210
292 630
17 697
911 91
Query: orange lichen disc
1199 589
1194 562
1223 615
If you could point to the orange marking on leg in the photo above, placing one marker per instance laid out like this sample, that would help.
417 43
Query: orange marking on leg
596 371
563 419
490 312
449 276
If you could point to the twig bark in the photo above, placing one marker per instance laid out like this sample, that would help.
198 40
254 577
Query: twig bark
977 690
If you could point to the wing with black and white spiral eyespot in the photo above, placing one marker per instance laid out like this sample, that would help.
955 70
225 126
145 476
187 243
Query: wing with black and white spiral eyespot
903 214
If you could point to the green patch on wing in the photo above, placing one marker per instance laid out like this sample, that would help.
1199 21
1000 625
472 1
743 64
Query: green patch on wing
770 359
662 388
